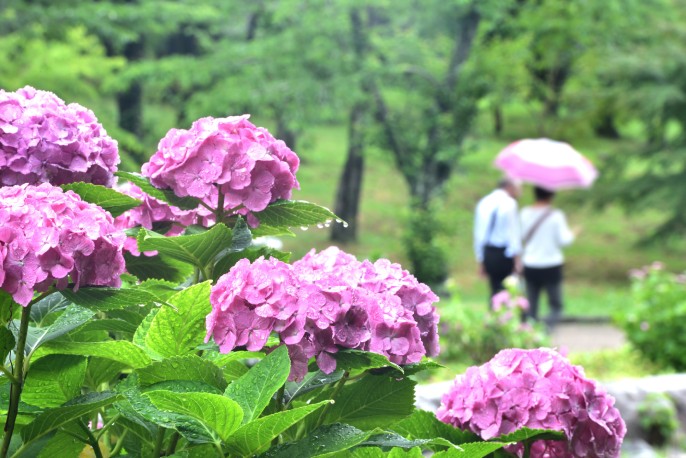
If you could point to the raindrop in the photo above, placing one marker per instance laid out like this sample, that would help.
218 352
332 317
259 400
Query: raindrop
345 224
320 225
303 228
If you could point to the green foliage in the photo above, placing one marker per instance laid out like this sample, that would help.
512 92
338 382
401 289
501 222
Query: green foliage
474 336
658 418
114 202
428 260
655 320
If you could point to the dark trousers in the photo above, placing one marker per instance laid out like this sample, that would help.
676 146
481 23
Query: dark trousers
549 280
498 267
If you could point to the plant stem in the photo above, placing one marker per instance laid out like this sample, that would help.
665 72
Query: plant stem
158 443
119 445
336 390
92 441
527 448
18 382
106 426
219 215
172 443
8 374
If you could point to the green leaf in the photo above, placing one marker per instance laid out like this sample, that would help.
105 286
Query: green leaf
424 425
104 299
269 231
242 237
425 364
142 332
255 389
311 381
523 434
54 380
73 317
61 444
7 307
294 213
165 195
218 413
113 201
157 267
179 331
45 307
199 250
189 367
395 440
257 434
7 343
227 261
472 450
54 418
101 370
373 401
116 350
109 325
351 360
160 288
322 441
232 363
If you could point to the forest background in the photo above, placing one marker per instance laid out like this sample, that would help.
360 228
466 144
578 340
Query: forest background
397 109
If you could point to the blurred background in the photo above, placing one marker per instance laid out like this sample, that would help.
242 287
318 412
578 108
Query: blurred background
397 109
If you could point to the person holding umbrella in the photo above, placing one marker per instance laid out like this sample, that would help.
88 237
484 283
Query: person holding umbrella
549 165
497 242
545 232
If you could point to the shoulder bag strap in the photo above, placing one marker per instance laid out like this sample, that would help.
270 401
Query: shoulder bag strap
536 225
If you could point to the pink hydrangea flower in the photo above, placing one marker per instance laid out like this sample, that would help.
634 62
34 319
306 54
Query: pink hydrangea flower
44 140
536 389
50 237
149 213
225 157
323 303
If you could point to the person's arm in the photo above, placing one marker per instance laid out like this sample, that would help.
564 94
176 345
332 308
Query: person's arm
514 243
480 227
565 236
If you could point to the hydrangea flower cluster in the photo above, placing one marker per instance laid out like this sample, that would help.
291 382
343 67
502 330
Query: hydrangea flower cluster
48 236
536 389
44 140
151 213
323 303
227 160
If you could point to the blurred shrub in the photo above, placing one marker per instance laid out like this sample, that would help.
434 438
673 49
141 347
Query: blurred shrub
658 419
655 321
429 262
472 336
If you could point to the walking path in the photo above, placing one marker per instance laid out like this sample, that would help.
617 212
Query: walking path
579 336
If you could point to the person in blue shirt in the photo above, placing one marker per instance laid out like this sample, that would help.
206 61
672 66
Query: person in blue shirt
497 239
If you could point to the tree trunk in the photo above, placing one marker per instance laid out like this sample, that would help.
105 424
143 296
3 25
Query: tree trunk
350 183
497 120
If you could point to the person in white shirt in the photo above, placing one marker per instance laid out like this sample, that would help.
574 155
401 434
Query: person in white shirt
545 232
497 242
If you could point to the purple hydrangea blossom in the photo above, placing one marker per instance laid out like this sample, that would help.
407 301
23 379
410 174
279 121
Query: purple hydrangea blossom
50 237
537 389
228 160
44 140
319 305
150 212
